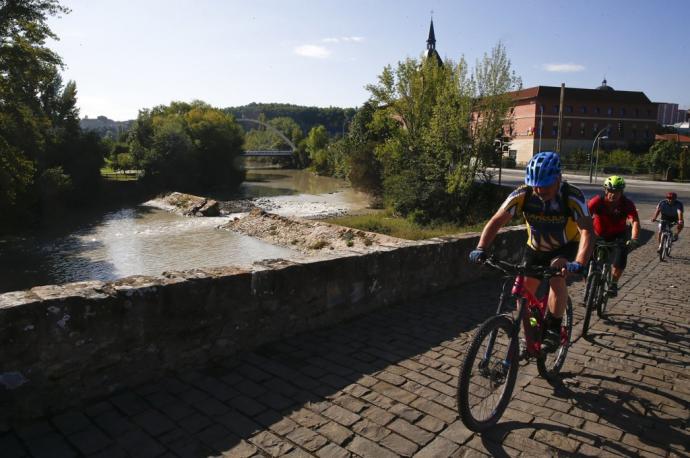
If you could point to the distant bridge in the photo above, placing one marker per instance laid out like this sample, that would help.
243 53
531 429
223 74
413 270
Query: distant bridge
269 153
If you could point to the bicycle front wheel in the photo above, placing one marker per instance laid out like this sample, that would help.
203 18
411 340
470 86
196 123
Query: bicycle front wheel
604 297
591 296
550 364
488 373
664 242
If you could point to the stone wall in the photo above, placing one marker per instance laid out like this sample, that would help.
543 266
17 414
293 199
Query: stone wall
61 345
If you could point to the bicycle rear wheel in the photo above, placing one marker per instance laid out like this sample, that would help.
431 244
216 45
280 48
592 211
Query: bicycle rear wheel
488 373
591 296
550 364
669 244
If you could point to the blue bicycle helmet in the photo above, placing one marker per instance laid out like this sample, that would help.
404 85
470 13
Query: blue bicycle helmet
543 169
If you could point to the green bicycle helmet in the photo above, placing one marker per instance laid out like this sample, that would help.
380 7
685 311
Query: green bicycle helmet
614 183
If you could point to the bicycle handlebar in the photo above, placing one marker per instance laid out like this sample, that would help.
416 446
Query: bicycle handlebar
521 269
668 223
614 244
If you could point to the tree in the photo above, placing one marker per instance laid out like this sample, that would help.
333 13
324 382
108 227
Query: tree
187 146
316 143
42 146
684 163
447 122
663 157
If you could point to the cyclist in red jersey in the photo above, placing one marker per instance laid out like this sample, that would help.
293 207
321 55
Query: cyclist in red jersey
611 212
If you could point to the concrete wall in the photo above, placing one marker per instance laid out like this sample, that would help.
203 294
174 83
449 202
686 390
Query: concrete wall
65 344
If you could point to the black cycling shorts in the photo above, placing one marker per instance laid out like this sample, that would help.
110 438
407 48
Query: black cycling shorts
533 258
619 254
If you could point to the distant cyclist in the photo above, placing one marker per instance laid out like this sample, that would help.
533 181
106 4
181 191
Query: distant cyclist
559 232
611 211
671 211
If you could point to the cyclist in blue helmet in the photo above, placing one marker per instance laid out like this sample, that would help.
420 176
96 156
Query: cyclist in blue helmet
559 232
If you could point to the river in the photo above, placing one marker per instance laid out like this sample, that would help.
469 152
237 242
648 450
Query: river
147 240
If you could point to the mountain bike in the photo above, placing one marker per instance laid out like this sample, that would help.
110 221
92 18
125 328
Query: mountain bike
598 281
666 239
489 369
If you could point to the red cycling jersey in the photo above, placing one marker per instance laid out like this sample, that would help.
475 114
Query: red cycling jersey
610 221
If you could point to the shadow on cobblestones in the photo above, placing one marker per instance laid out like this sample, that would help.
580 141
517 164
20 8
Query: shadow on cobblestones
507 437
662 330
331 389
658 417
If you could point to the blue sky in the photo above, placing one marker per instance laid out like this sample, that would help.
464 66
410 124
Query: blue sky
131 54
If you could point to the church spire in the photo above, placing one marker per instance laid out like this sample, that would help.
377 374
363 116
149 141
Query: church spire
431 41
431 52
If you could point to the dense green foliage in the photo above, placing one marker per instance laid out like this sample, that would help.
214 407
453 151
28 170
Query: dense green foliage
45 157
187 146
446 121
663 156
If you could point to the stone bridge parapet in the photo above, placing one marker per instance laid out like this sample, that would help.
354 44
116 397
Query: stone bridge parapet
65 344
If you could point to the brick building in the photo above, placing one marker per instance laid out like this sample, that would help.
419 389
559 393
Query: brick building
630 115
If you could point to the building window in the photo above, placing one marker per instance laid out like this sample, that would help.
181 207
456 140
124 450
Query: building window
512 154
621 132
569 109
595 129
569 129
582 129
623 111
609 111
554 129
597 110
555 109
583 109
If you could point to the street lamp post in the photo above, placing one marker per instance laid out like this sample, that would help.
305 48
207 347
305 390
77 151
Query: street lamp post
596 163
498 147
591 156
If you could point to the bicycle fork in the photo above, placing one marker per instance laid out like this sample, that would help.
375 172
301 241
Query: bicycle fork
501 369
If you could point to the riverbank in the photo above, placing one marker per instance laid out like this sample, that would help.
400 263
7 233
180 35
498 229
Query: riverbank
309 236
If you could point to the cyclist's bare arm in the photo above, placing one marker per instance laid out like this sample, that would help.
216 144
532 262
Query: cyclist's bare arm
584 251
500 219
656 213
635 228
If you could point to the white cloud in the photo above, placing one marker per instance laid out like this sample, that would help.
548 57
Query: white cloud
317 52
343 40
563 68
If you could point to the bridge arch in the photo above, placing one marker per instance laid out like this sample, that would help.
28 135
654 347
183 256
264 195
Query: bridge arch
271 128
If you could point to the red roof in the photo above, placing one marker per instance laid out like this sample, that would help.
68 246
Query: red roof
673 138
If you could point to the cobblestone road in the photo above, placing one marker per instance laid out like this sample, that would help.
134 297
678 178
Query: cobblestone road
384 385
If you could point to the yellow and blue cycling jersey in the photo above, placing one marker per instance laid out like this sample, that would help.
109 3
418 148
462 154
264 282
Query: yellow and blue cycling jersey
549 225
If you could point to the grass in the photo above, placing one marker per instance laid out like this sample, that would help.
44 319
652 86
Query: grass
388 224
108 173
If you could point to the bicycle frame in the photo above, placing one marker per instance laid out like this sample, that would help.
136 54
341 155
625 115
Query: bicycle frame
526 301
